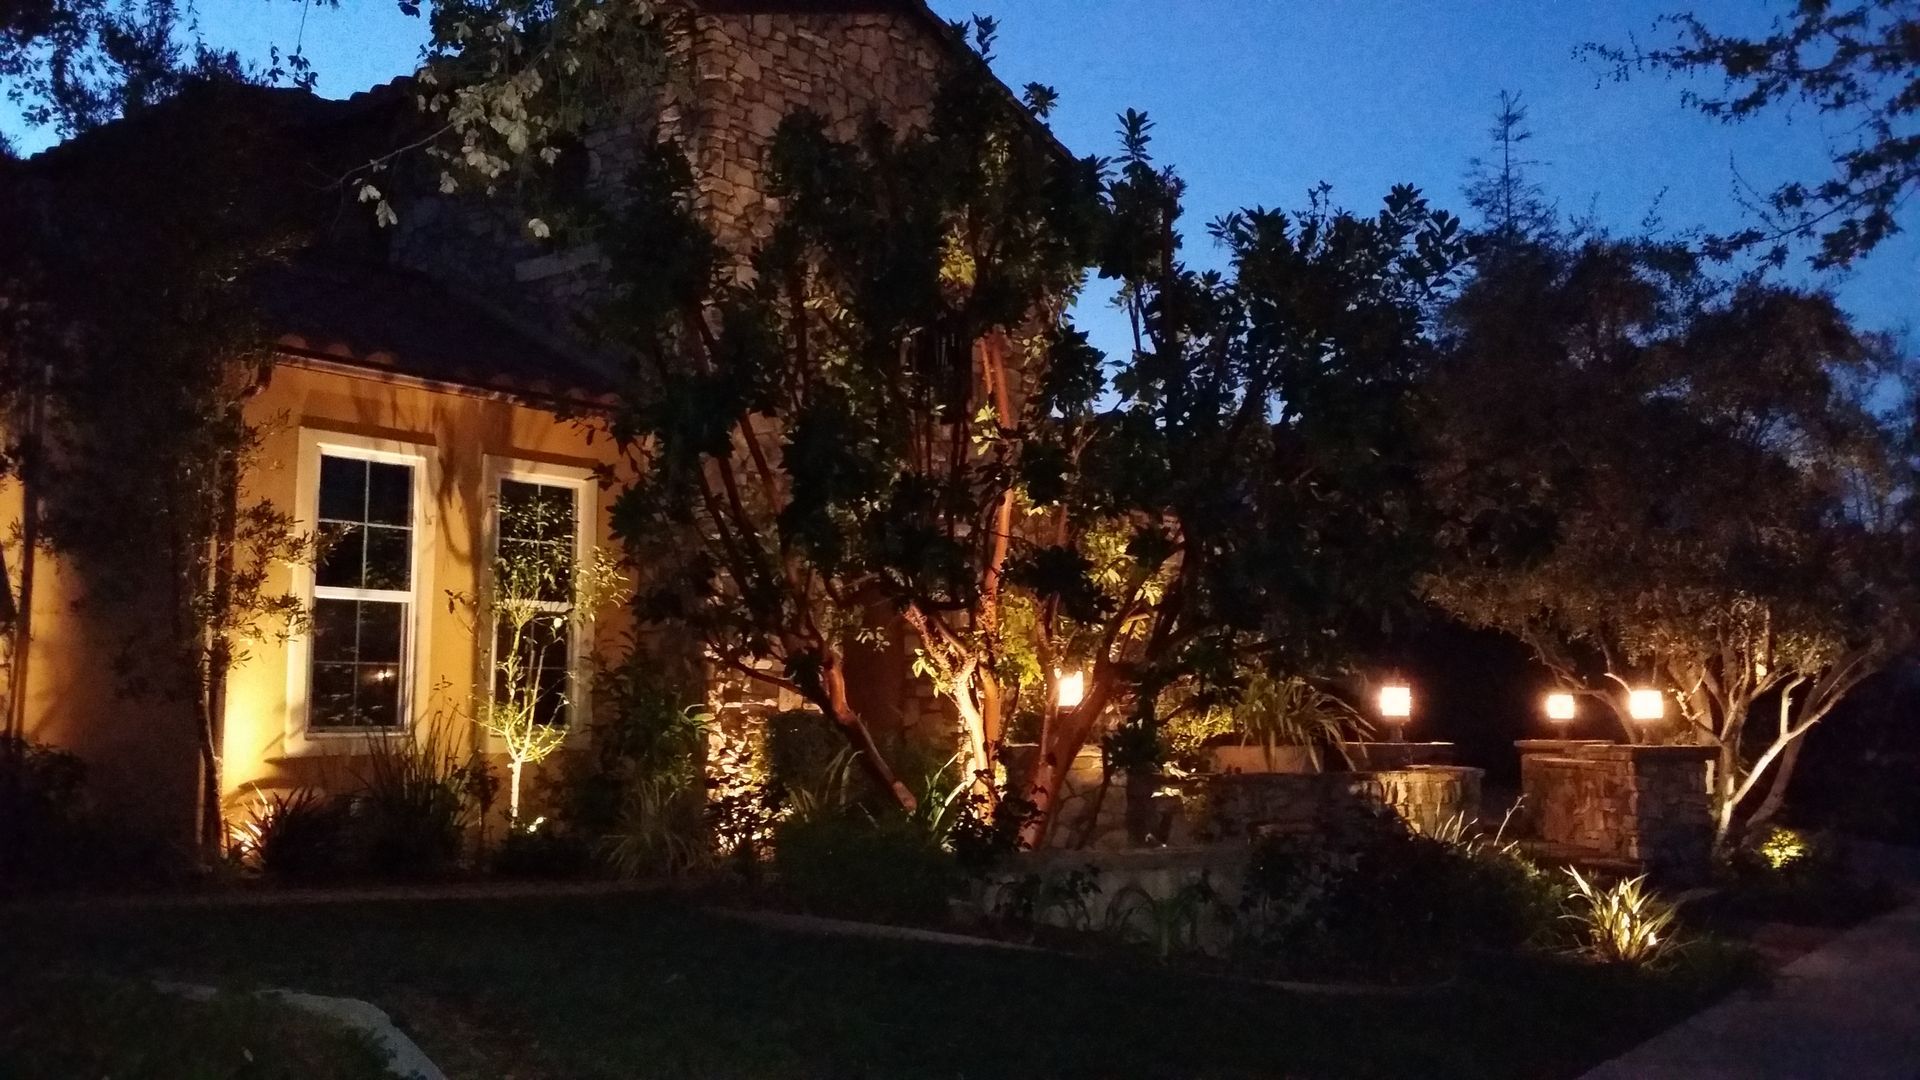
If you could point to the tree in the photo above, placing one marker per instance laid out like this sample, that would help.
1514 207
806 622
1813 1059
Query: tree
831 433
139 351
1858 62
1682 484
1248 499
539 602
1512 205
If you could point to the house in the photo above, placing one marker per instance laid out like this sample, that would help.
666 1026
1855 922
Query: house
419 378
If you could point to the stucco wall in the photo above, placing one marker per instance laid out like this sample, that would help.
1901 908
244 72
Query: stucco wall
458 432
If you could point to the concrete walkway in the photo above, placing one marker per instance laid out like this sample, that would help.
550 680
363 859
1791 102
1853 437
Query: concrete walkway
1849 1010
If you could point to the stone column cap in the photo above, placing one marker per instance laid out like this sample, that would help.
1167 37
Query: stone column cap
1548 746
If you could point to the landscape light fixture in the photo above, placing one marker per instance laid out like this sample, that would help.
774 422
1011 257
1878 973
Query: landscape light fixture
1646 705
1396 702
1070 689
1562 707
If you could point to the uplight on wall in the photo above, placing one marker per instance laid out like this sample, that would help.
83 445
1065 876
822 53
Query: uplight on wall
1070 689
1562 707
1646 704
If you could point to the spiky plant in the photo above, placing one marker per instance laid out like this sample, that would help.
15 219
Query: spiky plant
1624 923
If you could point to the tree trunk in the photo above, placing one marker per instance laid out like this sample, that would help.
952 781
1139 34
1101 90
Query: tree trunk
1054 758
514 769
1777 793
839 709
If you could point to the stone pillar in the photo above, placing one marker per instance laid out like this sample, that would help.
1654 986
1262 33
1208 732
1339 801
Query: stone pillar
1645 805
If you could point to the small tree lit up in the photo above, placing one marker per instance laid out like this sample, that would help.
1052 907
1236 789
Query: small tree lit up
541 599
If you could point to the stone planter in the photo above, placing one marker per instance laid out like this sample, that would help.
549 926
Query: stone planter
1261 759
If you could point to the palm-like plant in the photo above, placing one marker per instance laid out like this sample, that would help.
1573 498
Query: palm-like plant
1293 711
1625 923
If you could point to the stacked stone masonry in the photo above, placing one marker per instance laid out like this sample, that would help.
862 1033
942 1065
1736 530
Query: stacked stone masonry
1641 804
1225 807
733 79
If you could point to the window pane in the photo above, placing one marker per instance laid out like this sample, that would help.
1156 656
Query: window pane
342 556
536 511
331 704
544 669
389 493
378 697
389 557
343 489
380 631
333 631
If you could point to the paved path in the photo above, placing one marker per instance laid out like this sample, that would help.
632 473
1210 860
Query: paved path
1849 1010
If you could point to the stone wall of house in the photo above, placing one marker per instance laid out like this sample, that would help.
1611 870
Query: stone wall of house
735 77
1397 755
1641 804
1233 806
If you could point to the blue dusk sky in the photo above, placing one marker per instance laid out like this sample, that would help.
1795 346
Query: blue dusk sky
1255 101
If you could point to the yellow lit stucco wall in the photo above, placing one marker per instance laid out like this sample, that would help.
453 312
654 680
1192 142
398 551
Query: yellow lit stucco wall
458 431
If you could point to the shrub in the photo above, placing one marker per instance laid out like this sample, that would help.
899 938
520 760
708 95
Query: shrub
661 829
637 796
803 751
416 803
1785 875
1624 923
296 836
540 850
1376 898
43 812
851 865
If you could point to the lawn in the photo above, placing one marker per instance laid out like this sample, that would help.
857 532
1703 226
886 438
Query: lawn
88 1028
650 986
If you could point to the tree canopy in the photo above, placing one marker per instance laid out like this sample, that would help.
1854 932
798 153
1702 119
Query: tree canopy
1858 62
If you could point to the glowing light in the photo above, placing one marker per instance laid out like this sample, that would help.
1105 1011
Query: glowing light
1396 702
1646 705
1561 707
1072 689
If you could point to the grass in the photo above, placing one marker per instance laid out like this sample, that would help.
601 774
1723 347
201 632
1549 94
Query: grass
94 1027
647 986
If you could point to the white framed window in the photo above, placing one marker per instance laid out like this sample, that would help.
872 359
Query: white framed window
359 669
543 513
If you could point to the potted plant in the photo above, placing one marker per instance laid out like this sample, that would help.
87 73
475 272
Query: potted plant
1282 723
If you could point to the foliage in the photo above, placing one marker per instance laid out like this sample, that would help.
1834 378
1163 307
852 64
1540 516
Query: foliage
536 849
293 836
1623 923
855 865
43 810
1853 61
840 429
160 540
638 792
1167 926
1030 901
541 595
415 805
1245 496
1783 875
1701 492
1293 711
1380 899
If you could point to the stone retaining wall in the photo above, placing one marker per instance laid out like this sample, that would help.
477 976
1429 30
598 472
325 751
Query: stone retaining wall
1228 807
1642 804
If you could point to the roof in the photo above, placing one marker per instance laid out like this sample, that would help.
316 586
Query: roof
382 319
